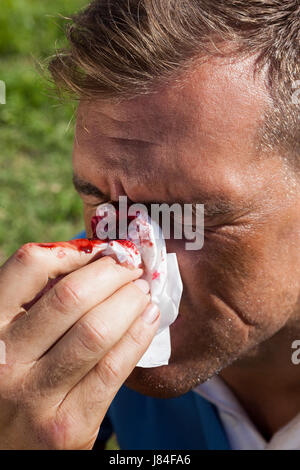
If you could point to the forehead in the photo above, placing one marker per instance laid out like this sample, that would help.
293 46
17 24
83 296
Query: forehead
202 131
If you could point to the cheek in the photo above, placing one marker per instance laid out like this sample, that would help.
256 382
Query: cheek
249 275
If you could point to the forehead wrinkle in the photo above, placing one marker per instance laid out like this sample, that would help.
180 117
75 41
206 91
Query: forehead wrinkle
149 123
128 157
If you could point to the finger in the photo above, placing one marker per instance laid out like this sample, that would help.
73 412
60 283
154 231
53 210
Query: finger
30 336
88 341
88 401
27 272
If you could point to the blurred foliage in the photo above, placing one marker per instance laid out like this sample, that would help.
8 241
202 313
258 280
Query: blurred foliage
37 200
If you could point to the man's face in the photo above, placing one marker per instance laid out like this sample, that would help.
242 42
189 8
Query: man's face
197 144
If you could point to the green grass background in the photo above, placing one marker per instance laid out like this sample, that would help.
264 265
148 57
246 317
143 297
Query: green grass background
37 199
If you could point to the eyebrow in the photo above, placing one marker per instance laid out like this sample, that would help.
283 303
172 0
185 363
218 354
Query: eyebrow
212 208
83 187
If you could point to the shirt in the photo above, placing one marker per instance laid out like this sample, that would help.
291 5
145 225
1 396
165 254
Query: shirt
141 422
240 430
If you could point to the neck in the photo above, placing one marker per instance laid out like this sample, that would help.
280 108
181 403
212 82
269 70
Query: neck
267 383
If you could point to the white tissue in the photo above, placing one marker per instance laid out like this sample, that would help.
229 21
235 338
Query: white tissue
162 273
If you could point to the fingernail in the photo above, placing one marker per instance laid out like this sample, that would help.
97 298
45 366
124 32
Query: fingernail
150 314
143 285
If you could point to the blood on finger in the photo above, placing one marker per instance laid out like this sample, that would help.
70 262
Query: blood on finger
82 244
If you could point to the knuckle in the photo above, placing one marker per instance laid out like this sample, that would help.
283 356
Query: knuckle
136 335
60 431
54 433
65 296
94 337
110 370
26 254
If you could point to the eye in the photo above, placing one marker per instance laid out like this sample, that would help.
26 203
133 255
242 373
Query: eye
94 203
189 216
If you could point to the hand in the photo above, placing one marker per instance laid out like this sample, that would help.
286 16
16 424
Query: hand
68 355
